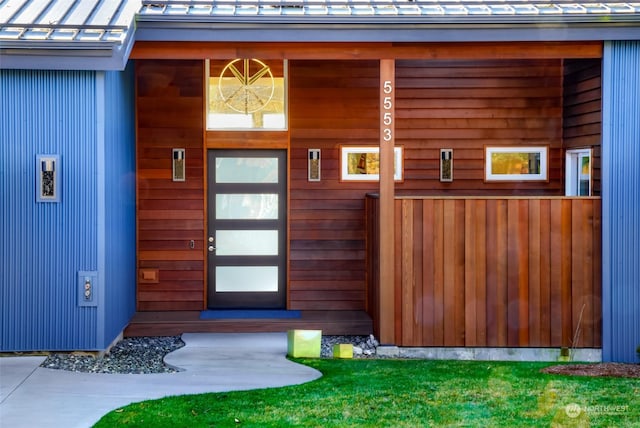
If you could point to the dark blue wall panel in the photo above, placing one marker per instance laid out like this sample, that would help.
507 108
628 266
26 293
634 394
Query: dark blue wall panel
621 201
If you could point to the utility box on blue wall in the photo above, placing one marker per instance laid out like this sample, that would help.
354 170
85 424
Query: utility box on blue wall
87 288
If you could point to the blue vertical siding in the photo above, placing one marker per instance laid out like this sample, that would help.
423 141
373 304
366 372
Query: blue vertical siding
621 201
120 203
87 118
44 245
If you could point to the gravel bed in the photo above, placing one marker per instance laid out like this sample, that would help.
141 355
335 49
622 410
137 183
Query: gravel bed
132 355
363 346
137 355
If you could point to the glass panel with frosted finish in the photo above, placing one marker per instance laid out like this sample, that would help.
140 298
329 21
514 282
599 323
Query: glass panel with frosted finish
247 242
274 121
246 279
248 206
232 120
246 170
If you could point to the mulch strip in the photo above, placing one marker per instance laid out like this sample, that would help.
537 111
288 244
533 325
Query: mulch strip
596 370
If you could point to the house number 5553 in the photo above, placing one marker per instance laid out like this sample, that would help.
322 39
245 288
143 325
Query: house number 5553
387 106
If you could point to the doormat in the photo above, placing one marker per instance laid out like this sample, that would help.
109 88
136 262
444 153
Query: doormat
248 314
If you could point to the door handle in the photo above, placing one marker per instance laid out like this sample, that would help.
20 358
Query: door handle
211 248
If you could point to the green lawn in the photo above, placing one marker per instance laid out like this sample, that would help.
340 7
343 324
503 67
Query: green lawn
405 393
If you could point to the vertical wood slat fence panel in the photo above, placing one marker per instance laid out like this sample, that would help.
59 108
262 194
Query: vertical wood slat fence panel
496 272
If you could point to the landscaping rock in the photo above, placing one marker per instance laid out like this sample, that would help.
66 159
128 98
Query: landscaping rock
146 354
363 346
130 355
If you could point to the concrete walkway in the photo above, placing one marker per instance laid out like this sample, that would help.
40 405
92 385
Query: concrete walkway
31 396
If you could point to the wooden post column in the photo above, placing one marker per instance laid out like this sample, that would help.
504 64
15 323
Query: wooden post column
386 316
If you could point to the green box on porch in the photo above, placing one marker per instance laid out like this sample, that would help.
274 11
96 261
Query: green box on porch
343 350
304 343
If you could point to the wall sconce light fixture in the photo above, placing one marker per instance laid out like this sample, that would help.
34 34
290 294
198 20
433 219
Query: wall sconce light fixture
314 165
47 177
179 169
446 165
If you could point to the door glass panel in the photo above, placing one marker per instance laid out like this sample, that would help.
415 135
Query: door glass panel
246 170
247 242
246 278
247 206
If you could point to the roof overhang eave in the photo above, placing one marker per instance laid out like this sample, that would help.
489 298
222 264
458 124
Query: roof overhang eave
62 55
232 29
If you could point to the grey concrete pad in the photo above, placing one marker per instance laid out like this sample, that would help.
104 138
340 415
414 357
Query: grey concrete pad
209 363
14 370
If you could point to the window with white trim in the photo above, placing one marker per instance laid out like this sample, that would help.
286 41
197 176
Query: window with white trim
578 172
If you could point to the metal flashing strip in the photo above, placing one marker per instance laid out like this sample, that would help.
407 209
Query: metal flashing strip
92 33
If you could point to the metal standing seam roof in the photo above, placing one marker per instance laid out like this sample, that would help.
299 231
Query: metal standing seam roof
395 10
112 21
67 34
99 34
91 21
395 21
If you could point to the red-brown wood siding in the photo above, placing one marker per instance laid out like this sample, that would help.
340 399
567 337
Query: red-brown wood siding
498 272
440 104
466 105
582 120
462 105
170 100
330 103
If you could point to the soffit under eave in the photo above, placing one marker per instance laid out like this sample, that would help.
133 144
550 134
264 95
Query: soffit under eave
366 51
363 33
